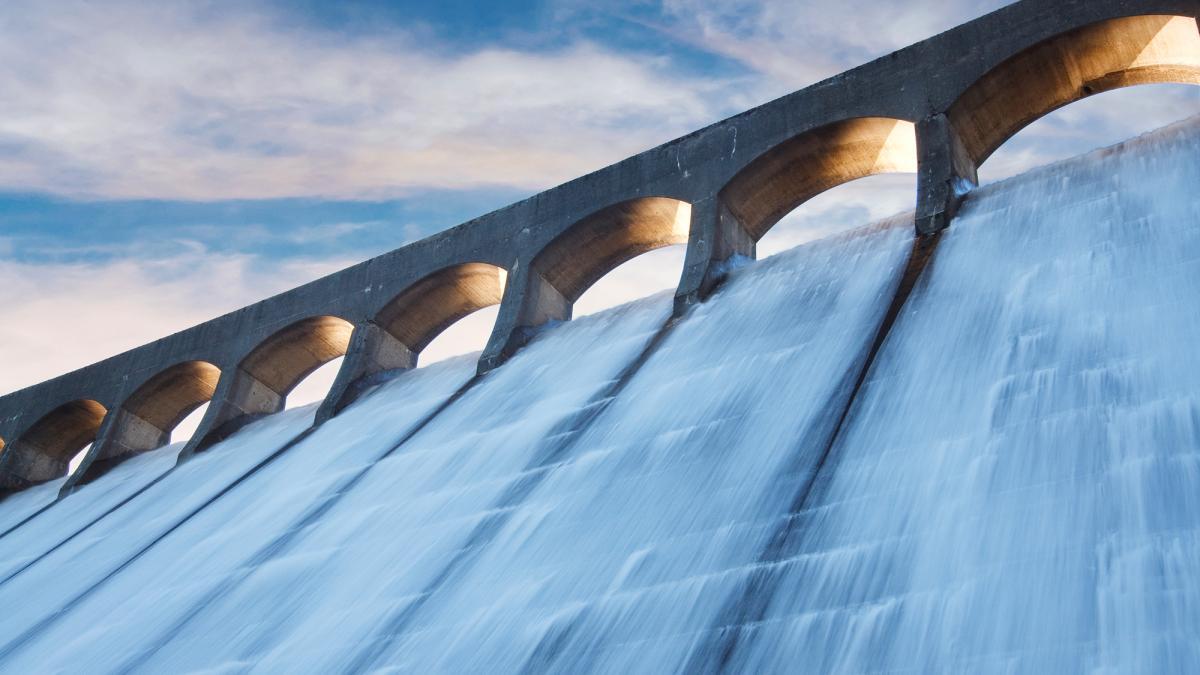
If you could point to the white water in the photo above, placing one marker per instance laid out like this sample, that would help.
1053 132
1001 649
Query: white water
1014 489
1018 487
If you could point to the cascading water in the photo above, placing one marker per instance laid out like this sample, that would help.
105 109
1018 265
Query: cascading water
1018 486
1014 486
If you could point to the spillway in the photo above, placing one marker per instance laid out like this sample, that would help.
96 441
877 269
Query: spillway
1001 476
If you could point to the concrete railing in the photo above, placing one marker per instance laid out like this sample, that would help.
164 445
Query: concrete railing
938 108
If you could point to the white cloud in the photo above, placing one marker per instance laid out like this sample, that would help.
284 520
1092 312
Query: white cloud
58 317
796 43
131 99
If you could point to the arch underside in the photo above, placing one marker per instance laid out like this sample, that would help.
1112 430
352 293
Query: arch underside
810 163
63 431
44 451
168 397
604 240
291 354
1077 64
433 304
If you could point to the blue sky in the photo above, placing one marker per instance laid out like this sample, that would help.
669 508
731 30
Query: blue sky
162 163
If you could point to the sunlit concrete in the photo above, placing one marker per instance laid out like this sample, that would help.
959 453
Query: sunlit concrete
1089 58
45 450
803 167
423 311
1086 61
261 382
546 287
145 420
401 330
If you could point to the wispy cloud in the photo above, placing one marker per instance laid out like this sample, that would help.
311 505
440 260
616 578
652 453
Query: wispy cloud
131 99
58 317
795 43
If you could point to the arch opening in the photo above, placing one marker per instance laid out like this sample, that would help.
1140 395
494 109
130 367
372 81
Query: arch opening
293 353
430 318
77 459
315 385
189 424
1074 65
465 336
644 275
804 166
44 451
156 409
1090 123
857 203
602 241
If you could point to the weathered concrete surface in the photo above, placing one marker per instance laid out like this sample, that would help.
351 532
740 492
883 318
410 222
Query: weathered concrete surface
959 94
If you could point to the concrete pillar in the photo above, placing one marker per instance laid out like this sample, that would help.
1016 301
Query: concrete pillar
945 173
23 465
529 301
240 398
715 237
121 436
373 354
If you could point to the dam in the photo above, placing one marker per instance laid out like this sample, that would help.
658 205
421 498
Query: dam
962 439
1013 484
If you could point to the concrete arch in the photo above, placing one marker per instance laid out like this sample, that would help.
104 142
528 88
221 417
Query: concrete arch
264 377
1073 65
598 243
290 354
166 398
580 254
146 418
392 340
804 166
44 450
431 305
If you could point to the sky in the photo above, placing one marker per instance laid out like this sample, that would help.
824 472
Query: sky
164 163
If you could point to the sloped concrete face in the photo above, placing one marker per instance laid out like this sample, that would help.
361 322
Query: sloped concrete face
939 107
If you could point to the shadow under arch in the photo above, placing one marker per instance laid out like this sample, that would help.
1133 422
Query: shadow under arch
804 166
600 242
1099 57
44 450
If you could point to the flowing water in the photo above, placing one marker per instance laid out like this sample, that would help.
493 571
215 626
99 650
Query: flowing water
1012 488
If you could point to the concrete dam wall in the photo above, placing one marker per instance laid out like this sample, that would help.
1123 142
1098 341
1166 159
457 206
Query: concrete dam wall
799 474
938 108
